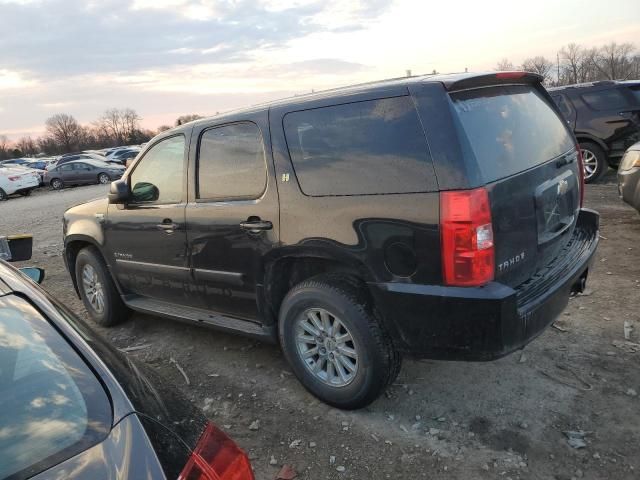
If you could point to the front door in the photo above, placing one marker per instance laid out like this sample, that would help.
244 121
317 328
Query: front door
146 237
232 216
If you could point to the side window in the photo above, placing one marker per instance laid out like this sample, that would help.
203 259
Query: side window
370 147
81 166
605 99
66 168
158 176
231 163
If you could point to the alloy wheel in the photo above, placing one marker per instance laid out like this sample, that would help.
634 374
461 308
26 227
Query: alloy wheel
93 289
103 178
590 163
326 347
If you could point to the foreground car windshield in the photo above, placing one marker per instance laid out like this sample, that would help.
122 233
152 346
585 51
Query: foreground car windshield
52 407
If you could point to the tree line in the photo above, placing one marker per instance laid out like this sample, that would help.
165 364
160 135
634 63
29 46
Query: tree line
575 63
64 134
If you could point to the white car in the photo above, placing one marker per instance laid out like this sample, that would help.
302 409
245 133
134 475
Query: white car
17 180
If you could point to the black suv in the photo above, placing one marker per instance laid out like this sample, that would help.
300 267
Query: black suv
434 216
605 118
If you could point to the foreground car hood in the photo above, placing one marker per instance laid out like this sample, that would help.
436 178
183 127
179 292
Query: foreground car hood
90 208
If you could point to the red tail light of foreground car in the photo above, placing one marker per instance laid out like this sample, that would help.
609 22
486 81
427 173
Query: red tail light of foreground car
217 457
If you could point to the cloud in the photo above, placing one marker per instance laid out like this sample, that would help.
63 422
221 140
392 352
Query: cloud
62 38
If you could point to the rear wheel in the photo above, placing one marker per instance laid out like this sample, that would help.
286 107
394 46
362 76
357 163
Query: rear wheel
336 343
594 161
98 292
57 184
3 195
103 179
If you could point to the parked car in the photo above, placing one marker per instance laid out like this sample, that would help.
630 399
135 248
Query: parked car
437 216
75 407
83 156
81 172
629 176
14 179
605 117
123 155
16 161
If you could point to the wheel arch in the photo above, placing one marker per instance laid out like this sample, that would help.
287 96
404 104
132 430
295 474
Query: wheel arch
72 245
585 137
293 267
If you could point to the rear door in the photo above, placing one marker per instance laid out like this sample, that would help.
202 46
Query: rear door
232 215
83 172
526 156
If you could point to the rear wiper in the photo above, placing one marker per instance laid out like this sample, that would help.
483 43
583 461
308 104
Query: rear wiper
566 160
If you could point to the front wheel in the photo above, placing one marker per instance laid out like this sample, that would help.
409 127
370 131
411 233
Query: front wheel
335 342
57 184
3 195
96 287
594 161
103 179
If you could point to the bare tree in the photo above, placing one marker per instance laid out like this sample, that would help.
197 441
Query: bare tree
615 61
539 65
574 66
119 126
505 65
4 147
186 119
64 130
27 146
164 128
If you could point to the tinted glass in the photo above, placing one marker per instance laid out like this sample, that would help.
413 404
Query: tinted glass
231 162
52 407
81 166
605 99
635 90
66 168
360 148
158 176
510 129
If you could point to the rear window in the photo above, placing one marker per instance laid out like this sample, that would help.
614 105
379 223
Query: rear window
609 99
635 90
52 407
361 148
510 128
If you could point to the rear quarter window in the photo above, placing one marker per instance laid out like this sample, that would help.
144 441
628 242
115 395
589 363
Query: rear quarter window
52 406
361 148
609 99
510 129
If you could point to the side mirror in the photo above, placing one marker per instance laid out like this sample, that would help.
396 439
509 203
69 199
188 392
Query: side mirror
145 192
35 274
16 248
119 192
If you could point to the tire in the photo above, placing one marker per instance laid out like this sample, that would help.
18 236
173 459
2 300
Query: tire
103 179
374 361
57 184
594 160
105 308
3 195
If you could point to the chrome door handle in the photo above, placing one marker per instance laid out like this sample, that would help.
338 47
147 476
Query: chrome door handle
256 226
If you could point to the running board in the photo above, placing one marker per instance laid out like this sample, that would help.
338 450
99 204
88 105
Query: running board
201 317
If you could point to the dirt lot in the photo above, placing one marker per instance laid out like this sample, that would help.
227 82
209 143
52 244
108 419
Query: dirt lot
440 420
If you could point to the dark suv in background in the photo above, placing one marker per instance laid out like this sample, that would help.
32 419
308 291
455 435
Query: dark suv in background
605 118
433 216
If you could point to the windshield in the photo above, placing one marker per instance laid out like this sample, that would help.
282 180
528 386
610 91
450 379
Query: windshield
510 128
52 407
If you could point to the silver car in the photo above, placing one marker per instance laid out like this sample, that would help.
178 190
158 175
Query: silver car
82 172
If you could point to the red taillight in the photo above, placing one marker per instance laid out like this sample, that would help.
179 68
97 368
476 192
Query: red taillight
13 179
468 257
217 457
581 168
512 75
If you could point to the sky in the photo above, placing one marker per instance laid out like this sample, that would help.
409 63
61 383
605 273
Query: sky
166 58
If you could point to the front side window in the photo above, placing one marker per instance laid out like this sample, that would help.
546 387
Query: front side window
231 163
158 177
361 148
52 406
66 168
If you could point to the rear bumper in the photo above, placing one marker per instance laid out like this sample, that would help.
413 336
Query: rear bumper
629 187
454 323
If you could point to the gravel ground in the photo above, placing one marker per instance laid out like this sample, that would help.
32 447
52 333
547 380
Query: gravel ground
504 419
